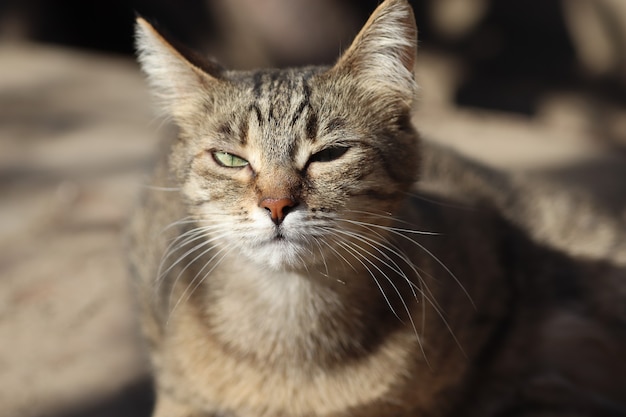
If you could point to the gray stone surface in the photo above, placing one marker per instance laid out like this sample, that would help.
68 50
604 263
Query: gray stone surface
74 140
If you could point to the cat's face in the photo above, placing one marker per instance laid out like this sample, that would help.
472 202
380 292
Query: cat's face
293 168
287 159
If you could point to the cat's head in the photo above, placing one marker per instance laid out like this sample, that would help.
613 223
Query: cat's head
289 166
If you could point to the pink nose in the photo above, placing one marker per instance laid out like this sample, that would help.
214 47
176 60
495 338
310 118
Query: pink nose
278 208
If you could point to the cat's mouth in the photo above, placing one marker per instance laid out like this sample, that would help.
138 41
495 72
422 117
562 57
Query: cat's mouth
281 238
278 237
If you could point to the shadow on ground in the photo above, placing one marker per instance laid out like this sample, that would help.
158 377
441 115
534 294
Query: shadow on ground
135 400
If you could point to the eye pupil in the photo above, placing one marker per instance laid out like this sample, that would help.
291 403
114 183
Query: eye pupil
329 154
228 160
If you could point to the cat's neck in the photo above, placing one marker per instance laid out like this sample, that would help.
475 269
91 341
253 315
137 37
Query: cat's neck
289 315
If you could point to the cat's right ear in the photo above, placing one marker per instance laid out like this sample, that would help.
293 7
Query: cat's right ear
177 76
382 55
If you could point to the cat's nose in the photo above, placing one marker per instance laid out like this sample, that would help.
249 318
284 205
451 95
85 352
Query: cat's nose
278 208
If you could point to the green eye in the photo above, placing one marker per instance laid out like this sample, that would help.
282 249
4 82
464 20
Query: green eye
229 160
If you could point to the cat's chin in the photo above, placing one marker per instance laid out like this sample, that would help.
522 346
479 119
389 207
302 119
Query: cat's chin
280 254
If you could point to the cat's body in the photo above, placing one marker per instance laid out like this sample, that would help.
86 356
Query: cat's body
287 266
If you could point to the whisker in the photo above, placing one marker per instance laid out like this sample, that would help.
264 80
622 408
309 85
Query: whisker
180 222
375 245
321 252
208 242
394 250
184 296
354 249
388 262
441 203
340 256
355 254
400 233
390 228
189 237
430 298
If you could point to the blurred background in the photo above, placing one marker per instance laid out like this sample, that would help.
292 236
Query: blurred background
534 86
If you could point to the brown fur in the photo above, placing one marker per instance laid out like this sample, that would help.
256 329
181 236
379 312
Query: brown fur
348 306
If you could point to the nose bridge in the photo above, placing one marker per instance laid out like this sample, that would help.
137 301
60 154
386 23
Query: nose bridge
277 183
278 193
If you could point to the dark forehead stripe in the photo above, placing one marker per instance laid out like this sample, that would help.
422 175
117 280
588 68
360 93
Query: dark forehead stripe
284 90
282 100
257 83
243 131
269 82
305 109
226 129
312 126
334 124
304 103
276 91
232 129
254 108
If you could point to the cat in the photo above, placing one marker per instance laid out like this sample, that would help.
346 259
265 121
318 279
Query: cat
289 261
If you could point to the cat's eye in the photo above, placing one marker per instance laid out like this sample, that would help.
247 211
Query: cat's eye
229 160
329 154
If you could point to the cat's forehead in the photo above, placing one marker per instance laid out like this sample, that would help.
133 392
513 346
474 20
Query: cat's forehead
279 82
278 94
276 109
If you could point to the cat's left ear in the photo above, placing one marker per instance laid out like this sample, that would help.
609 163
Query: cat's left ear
176 75
383 54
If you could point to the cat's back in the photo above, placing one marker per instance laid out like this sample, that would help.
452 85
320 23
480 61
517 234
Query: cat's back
566 218
563 335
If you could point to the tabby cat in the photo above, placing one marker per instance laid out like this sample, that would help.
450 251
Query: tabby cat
287 265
